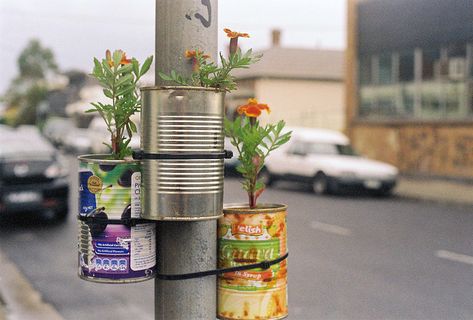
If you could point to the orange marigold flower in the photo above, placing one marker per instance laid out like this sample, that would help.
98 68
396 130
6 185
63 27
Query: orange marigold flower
253 109
189 54
123 61
233 34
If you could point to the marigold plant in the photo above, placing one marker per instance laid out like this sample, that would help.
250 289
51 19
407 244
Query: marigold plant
254 143
207 73
119 78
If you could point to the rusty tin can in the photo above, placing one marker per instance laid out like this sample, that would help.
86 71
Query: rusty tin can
248 236
113 252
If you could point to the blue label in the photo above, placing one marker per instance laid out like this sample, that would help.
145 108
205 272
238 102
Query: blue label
87 202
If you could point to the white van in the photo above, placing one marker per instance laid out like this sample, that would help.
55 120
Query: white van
324 159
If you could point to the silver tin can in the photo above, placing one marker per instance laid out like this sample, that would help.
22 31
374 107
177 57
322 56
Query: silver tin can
182 120
113 252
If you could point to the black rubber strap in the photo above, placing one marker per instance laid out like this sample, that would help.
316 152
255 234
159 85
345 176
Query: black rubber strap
141 155
262 265
132 222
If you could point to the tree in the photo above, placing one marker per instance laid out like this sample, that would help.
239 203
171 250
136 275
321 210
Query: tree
29 88
35 61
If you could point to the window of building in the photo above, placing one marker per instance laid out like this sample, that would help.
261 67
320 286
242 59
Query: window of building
406 66
365 70
385 69
430 64
455 100
432 101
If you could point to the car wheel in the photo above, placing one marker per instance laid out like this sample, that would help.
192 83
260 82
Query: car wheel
266 177
384 192
320 183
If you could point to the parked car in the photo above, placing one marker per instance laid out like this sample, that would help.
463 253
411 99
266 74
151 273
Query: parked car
325 160
33 176
77 141
56 129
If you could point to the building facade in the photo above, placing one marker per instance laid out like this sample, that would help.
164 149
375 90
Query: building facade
302 86
410 84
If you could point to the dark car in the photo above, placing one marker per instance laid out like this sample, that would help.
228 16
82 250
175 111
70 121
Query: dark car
33 177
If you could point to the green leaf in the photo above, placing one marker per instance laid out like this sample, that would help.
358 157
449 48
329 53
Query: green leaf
108 93
124 79
125 69
136 67
117 57
146 65
164 76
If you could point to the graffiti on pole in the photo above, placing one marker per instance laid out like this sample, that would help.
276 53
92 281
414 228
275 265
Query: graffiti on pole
206 22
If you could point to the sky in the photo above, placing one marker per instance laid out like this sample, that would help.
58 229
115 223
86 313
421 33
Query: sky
78 30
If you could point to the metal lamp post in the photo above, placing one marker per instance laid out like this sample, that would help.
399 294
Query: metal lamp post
185 246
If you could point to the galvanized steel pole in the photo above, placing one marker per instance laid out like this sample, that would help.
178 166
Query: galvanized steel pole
184 25
185 247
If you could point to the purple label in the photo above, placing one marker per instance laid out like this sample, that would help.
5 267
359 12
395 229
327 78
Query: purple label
112 254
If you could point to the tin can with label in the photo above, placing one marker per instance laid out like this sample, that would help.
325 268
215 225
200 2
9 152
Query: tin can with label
249 236
109 190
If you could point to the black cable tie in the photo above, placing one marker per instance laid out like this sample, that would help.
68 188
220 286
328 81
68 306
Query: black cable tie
129 222
228 154
261 265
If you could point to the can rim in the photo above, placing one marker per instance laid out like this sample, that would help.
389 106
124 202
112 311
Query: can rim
103 158
261 208
189 88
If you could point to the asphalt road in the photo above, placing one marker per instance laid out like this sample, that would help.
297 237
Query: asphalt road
350 258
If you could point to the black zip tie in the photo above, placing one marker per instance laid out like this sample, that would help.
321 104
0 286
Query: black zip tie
141 155
129 222
261 265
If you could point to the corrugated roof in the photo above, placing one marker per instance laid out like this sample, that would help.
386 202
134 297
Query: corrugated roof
280 62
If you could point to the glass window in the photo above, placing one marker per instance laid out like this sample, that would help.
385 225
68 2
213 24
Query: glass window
385 73
365 70
455 99
430 64
322 148
346 150
367 101
408 98
431 100
406 66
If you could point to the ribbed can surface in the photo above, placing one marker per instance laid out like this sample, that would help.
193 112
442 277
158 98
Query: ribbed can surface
182 120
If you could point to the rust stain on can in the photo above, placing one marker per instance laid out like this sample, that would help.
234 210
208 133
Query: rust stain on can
247 236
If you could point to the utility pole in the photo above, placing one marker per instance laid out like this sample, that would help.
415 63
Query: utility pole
185 246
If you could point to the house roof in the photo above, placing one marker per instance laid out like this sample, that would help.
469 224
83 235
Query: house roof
311 64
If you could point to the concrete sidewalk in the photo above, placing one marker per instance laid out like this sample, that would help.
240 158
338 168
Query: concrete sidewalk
18 299
436 190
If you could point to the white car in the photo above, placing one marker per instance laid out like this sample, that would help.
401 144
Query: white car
325 159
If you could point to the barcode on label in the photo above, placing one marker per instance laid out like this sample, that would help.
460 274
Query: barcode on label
135 195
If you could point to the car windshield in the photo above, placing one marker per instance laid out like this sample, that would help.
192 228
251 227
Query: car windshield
331 149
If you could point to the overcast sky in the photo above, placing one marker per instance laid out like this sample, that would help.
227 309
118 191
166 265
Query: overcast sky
78 30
